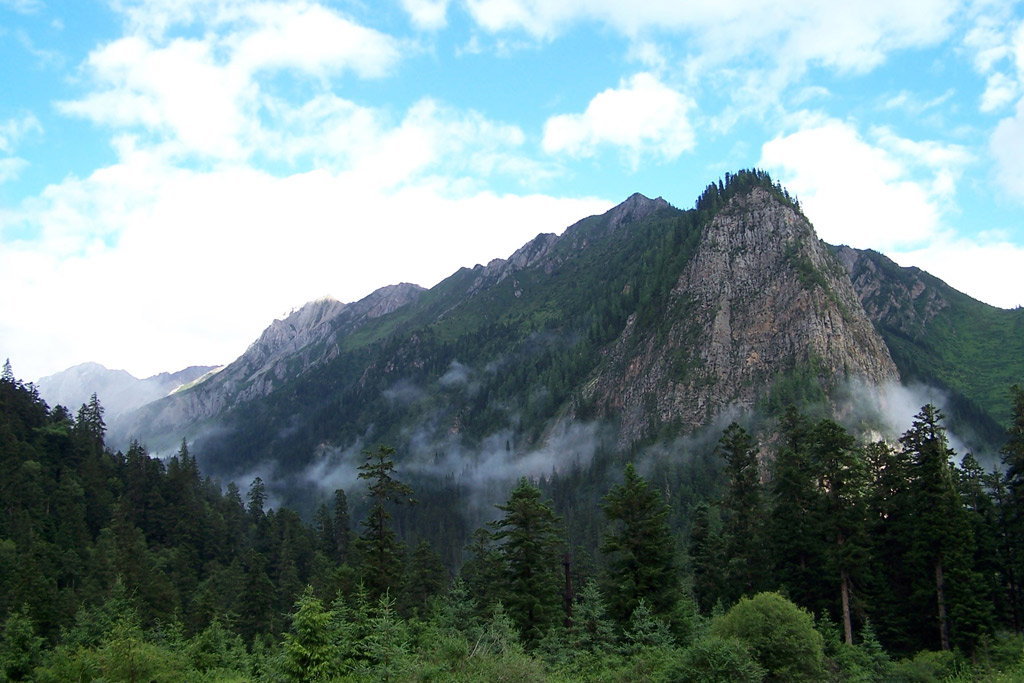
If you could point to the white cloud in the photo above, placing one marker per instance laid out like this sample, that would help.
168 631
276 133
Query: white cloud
427 14
1007 146
206 95
23 6
13 130
311 39
11 133
891 194
850 37
884 196
913 104
177 92
11 168
200 258
987 271
431 139
996 41
643 117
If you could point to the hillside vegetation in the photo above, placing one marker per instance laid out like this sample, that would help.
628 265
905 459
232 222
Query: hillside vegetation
121 567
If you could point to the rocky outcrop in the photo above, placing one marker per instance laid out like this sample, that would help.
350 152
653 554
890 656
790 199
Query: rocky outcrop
900 298
288 348
761 296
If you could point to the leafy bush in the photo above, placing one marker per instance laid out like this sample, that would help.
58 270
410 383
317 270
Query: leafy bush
780 635
715 659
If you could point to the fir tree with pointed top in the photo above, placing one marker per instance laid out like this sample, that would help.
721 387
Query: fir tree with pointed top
794 524
745 516
942 543
843 482
529 541
381 552
639 547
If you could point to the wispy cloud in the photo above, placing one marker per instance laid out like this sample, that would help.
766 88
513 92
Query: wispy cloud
643 118
14 129
23 6
882 193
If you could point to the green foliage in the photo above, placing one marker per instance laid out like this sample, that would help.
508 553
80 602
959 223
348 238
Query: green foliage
715 659
529 542
780 635
640 548
20 647
123 567
927 666
381 551
310 652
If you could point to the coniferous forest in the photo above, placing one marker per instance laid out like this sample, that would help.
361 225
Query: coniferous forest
793 553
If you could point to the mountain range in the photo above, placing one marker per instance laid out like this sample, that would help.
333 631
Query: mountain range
633 327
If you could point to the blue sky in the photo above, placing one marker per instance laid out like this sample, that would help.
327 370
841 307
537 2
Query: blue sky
176 173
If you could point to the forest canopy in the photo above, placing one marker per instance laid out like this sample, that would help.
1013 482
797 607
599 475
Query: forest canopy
812 557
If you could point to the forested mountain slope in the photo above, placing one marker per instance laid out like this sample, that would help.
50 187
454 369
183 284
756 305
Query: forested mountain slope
648 320
943 338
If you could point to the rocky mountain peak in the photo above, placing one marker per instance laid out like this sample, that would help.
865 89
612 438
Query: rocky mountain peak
293 331
386 299
636 208
760 297
885 297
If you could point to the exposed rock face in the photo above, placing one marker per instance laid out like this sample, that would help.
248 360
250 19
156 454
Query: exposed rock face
761 296
636 208
287 348
905 304
531 253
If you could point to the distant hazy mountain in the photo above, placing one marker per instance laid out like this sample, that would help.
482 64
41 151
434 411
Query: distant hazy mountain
119 391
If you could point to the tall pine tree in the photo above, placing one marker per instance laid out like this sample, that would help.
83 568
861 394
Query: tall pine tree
529 540
640 548
382 553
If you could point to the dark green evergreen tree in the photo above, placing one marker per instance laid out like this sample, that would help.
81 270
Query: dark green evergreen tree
310 652
257 499
707 558
640 548
529 541
890 518
426 578
843 483
1011 510
482 572
89 423
942 543
342 526
794 524
745 552
381 552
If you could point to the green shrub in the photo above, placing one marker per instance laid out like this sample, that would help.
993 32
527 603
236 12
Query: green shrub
780 635
715 659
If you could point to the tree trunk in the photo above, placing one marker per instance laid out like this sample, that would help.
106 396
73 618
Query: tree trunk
940 594
847 623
